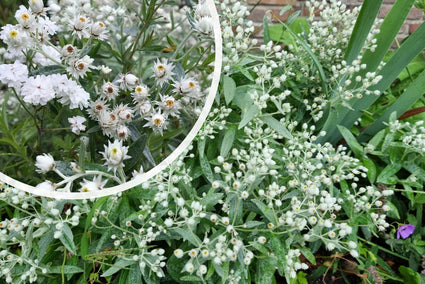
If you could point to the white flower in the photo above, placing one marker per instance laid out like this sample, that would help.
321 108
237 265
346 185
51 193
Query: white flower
202 269
188 87
109 91
169 105
189 267
24 17
13 74
144 107
202 10
79 26
122 132
45 163
48 26
38 90
262 240
16 40
128 81
70 92
124 113
114 155
204 25
157 122
36 6
78 68
108 121
46 185
98 30
69 51
163 71
140 94
77 124
178 253
97 107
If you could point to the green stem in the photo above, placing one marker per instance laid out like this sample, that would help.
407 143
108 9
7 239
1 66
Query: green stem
383 249
181 44
63 266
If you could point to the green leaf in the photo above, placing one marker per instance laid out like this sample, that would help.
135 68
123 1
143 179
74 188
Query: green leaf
277 126
414 92
265 270
84 246
117 266
267 212
206 169
278 33
47 70
387 32
308 254
388 172
67 269
364 23
253 224
414 44
190 278
227 142
280 252
393 212
229 89
266 33
44 243
409 276
248 114
351 141
188 235
67 238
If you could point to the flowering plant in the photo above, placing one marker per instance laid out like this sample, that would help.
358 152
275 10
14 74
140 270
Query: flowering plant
82 75
268 192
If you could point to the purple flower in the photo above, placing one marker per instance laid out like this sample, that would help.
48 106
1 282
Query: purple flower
405 231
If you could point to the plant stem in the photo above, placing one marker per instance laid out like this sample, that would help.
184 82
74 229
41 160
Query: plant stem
383 249
63 266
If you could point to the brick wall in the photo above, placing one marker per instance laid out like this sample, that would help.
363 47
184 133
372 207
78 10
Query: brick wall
414 19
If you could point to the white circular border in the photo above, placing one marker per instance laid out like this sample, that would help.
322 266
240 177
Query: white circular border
167 161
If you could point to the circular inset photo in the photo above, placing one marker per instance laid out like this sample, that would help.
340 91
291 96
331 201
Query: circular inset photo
96 101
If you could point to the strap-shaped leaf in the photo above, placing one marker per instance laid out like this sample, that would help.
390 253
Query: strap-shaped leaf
400 59
413 93
364 23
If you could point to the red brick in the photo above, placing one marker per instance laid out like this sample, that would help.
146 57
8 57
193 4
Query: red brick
272 2
413 27
415 14
385 9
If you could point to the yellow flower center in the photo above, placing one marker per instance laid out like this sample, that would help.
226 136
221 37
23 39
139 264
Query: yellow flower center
114 151
157 121
25 17
82 19
170 103
191 85
139 89
160 67
13 34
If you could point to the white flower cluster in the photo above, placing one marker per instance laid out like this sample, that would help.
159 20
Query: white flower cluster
413 135
39 218
236 31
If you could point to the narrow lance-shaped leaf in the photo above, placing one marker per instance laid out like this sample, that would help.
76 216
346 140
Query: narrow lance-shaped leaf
413 93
